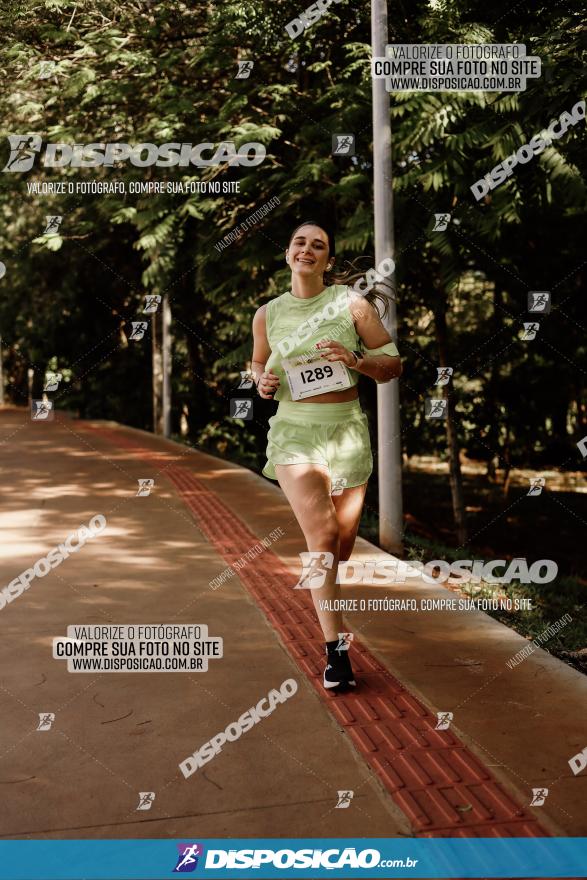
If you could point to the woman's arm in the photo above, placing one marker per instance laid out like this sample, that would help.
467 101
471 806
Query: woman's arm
381 367
267 383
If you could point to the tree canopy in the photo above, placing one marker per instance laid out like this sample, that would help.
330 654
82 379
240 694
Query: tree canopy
146 72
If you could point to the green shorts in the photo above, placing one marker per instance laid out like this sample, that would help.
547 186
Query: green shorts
332 434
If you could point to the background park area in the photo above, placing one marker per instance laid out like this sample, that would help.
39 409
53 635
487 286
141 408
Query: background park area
145 72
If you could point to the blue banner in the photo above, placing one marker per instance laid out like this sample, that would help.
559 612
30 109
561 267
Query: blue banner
305 858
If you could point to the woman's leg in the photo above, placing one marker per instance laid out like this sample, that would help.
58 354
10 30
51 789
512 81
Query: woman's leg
348 506
307 488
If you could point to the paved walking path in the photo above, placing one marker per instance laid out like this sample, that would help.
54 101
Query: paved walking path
118 734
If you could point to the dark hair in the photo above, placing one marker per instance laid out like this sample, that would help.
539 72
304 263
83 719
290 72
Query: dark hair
352 274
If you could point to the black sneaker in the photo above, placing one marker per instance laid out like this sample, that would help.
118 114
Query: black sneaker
339 672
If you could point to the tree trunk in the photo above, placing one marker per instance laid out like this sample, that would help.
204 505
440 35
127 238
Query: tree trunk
157 372
494 461
38 376
507 467
456 479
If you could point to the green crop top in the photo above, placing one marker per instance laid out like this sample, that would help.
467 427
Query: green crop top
295 325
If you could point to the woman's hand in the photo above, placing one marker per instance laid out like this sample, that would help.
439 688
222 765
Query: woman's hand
267 385
335 351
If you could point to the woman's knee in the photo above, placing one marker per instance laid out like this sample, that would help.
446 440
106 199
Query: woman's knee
347 542
326 536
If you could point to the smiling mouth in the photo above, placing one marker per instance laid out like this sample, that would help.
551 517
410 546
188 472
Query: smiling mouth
304 260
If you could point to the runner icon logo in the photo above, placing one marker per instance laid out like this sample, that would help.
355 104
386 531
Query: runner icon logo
444 719
146 799
530 331
152 303
444 374
46 719
343 145
52 381
138 329
42 410
539 301
315 567
241 409
52 223
244 69
187 860
344 800
338 485
246 380
145 487
536 485
344 641
23 149
435 408
441 222
539 795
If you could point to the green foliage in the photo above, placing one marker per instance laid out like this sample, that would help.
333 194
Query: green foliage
162 72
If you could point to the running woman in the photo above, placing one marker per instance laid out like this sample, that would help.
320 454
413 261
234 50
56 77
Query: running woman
310 344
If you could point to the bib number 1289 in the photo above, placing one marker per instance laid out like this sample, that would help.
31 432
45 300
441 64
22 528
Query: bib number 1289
316 374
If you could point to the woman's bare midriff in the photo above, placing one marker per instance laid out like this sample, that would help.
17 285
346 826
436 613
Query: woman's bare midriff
332 396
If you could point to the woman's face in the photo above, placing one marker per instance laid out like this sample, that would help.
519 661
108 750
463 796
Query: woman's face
307 253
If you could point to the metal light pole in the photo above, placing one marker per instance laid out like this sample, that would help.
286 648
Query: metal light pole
1 376
388 416
156 371
166 345
161 369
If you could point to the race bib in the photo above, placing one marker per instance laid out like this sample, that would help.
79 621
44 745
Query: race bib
317 376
